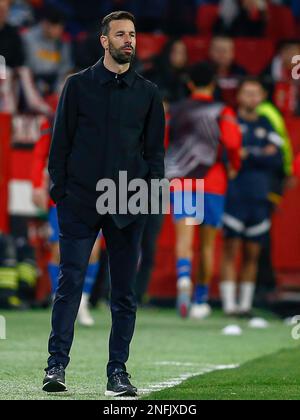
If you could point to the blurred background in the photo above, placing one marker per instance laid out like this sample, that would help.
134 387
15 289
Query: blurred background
43 41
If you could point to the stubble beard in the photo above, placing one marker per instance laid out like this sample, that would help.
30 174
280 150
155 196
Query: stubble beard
120 56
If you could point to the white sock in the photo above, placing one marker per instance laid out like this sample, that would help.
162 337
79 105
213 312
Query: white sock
228 294
85 300
247 290
184 283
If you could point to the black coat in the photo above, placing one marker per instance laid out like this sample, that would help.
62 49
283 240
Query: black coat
104 124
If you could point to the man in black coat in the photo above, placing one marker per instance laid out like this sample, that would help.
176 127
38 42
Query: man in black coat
109 119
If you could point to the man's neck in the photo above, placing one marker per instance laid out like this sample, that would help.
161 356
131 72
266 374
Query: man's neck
111 65
248 115
2 24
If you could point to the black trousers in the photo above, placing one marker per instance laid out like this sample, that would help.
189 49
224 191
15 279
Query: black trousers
149 240
76 244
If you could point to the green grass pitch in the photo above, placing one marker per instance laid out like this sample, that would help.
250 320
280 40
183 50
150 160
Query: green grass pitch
165 351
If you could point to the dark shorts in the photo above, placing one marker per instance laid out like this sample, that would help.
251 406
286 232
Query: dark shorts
247 220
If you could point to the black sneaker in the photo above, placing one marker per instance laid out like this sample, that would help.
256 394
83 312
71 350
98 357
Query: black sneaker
55 379
118 385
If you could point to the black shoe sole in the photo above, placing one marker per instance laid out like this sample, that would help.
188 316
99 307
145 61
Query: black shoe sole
54 386
120 394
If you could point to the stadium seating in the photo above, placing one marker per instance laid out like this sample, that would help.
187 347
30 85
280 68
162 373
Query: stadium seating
149 45
206 17
254 54
281 23
197 47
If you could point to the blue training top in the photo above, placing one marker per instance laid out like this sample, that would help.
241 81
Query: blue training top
254 181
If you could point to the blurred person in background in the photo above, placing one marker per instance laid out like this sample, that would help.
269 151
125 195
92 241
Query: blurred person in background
12 50
48 54
247 218
169 70
229 73
281 67
278 77
21 13
222 54
42 200
205 122
242 18
269 111
281 180
10 41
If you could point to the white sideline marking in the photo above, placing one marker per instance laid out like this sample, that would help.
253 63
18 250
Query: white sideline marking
176 364
180 379
177 381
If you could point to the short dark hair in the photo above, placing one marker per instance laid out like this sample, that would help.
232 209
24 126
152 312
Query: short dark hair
120 15
288 43
224 37
251 79
53 16
203 73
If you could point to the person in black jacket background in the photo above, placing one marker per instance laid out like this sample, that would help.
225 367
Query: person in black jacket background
10 41
109 119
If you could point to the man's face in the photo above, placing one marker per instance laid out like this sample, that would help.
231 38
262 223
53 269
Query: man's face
4 8
250 96
178 55
222 52
121 41
53 31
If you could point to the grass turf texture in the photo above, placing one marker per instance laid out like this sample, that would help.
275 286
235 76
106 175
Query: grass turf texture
164 348
274 377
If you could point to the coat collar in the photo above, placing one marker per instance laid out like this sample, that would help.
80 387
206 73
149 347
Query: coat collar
104 75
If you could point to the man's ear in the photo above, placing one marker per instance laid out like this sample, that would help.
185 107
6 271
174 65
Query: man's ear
104 41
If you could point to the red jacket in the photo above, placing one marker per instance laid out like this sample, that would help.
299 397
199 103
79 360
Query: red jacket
40 157
297 166
216 181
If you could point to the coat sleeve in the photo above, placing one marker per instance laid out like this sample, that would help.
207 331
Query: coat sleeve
62 138
154 133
